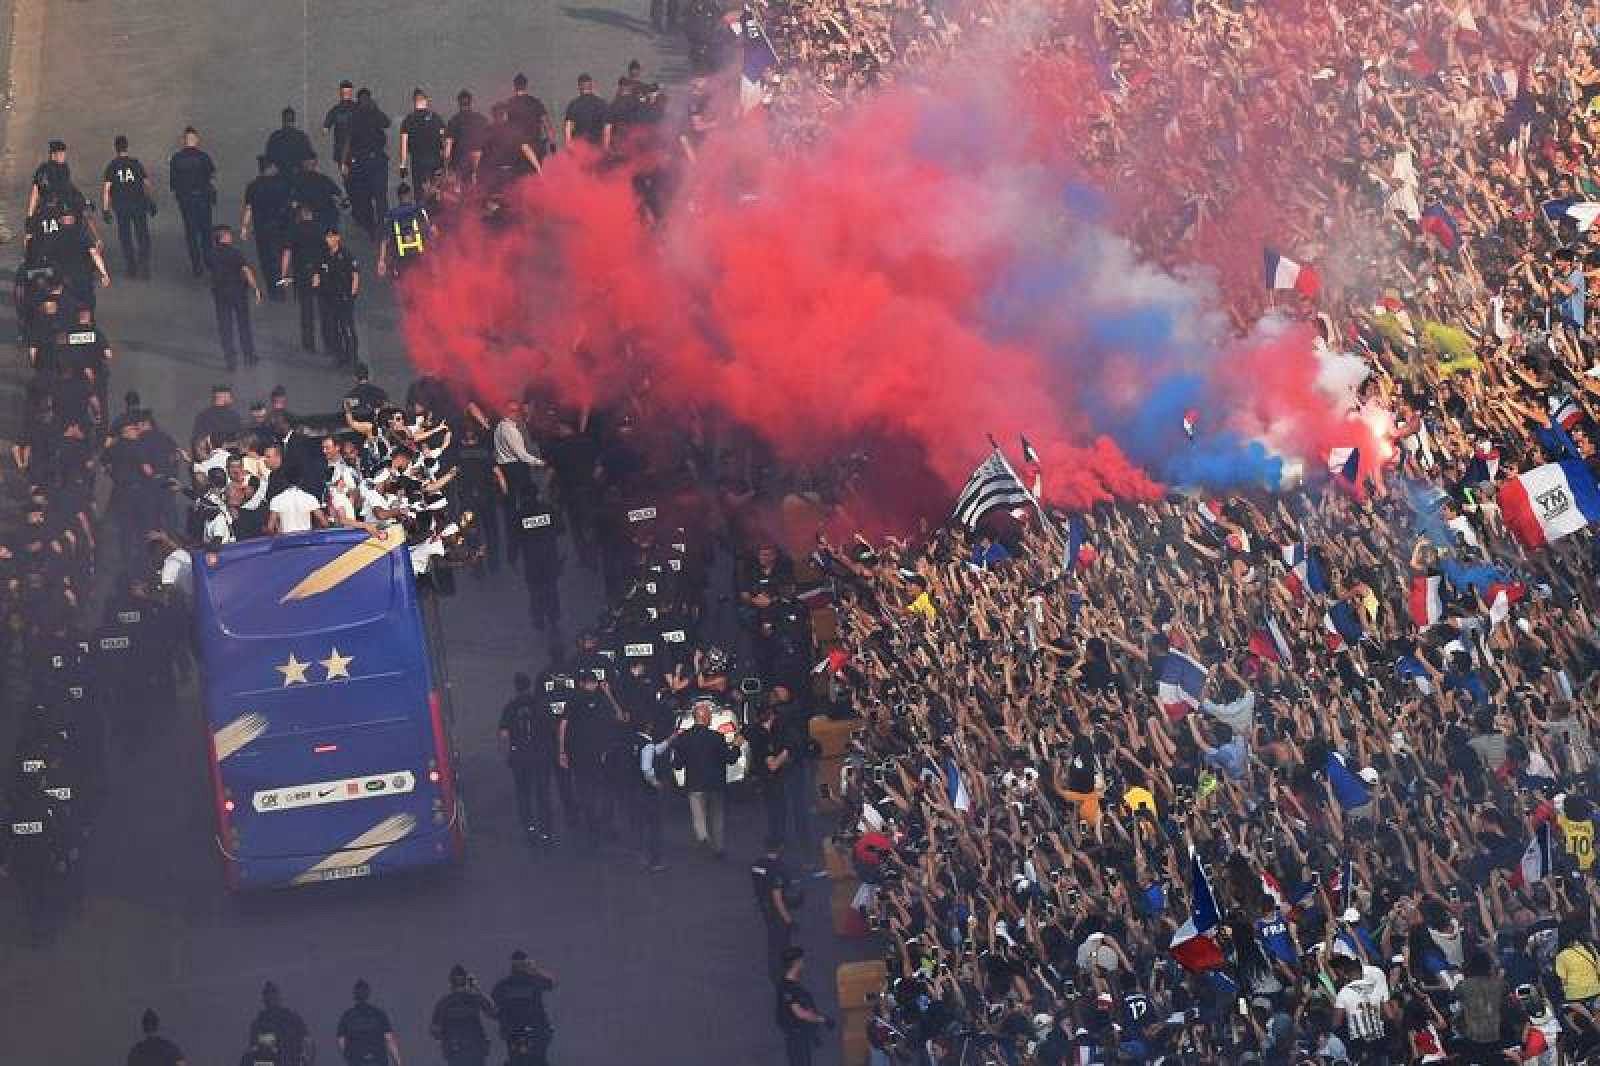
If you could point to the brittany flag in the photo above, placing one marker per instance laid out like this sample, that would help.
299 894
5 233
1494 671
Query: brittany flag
1285 273
1194 945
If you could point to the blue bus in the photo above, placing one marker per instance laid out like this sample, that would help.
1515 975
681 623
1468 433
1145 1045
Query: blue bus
330 741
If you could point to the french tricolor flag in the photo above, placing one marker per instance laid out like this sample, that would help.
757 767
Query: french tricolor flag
1194 945
1564 411
1340 626
1191 419
1285 273
1268 642
1499 597
1304 572
1505 83
1425 604
1345 463
1179 687
1582 213
1536 862
1550 501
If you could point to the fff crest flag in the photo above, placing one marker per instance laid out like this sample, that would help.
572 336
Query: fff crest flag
1550 501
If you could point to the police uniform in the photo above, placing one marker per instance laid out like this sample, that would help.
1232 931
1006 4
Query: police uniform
458 1026
336 280
559 688
524 1024
268 197
189 174
540 534
768 875
365 1030
531 732
131 203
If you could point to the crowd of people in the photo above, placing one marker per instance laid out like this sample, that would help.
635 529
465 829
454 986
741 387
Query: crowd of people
1034 814
1360 795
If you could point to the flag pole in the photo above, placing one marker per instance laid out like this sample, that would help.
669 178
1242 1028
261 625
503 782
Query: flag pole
1044 519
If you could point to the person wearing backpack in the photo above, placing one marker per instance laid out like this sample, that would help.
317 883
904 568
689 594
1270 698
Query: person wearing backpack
407 229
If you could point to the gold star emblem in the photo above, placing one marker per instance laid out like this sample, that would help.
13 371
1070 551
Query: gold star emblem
293 671
337 665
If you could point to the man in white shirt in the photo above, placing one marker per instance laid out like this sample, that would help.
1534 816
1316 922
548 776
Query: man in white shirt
294 510
1362 1006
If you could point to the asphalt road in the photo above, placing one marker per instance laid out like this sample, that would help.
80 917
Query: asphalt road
664 968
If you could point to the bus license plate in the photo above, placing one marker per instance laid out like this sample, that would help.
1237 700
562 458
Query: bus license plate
344 873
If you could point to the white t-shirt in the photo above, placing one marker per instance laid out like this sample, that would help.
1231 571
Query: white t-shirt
1362 1001
293 506
177 570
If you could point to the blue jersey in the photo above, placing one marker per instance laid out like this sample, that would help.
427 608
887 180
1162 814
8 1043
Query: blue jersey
1274 936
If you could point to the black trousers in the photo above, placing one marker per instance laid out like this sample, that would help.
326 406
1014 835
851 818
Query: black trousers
368 188
645 809
196 211
269 249
133 235
339 328
233 316
544 594
797 1046
306 297
531 782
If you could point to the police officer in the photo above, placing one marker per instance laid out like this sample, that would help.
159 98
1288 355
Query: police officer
154 1049
366 162
266 210
39 848
127 193
308 185
337 121
797 1014
559 688
770 880
406 232
458 1021
52 179
653 779
191 176
290 1037
304 246
540 548
519 1006
421 141
337 280
365 1036
288 146
233 284
581 740
528 732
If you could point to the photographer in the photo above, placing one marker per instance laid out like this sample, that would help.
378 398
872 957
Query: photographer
458 1021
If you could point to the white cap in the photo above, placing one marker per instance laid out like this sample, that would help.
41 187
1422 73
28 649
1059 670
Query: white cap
1369 775
1351 915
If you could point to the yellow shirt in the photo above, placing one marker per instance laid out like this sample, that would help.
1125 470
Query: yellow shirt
1139 798
1577 967
923 605
1577 837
